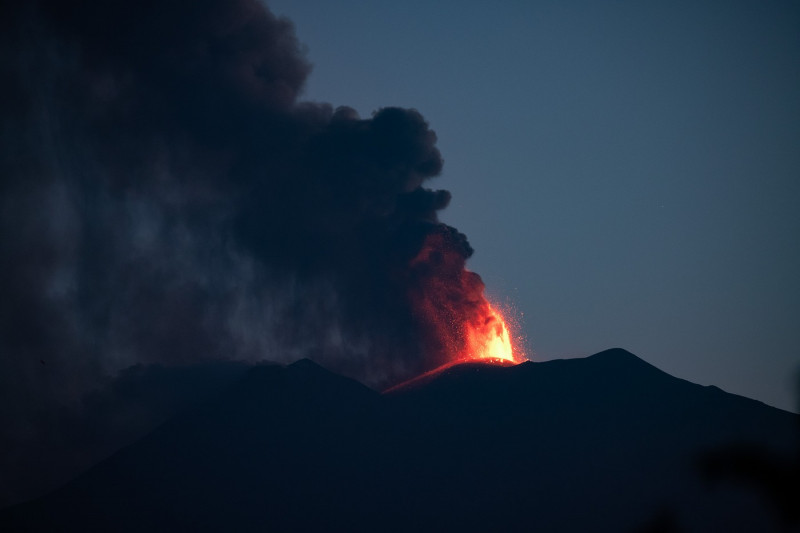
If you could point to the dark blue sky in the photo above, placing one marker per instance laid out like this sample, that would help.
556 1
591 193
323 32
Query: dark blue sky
628 174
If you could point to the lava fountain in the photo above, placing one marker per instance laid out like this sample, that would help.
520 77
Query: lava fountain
489 341
458 322
486 340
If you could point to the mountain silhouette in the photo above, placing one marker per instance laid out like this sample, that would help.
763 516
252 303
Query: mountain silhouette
604 443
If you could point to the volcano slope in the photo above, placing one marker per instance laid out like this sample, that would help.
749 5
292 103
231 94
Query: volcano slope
605 443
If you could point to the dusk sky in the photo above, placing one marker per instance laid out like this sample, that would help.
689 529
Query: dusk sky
628 174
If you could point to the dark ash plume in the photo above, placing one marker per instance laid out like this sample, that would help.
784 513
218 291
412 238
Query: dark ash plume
167 199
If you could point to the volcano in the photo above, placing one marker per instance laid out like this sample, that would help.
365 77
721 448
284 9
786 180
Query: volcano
604 443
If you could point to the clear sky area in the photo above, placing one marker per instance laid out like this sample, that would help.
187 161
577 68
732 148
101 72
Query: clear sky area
628 173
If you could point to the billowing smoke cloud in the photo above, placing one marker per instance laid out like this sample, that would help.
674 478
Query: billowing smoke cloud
167 198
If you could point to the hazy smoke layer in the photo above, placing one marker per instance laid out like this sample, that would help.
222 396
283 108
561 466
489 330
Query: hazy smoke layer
166 199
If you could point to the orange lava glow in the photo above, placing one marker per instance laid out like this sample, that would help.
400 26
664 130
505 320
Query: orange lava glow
456 321
487 342
489 339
